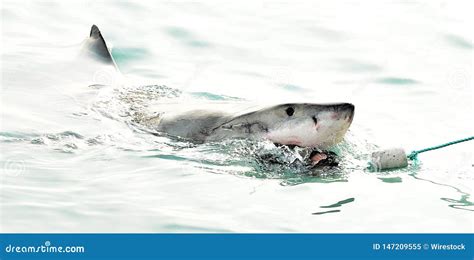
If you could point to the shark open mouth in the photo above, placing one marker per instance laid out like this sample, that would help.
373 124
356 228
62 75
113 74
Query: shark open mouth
291 146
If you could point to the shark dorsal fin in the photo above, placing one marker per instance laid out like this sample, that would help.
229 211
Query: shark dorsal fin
97 48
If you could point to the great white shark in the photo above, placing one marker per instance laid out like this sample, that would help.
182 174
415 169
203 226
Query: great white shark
292 124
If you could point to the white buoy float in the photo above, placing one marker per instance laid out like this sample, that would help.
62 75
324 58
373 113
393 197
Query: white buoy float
388 159
395 158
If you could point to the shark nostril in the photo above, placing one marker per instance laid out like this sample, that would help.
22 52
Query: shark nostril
315 119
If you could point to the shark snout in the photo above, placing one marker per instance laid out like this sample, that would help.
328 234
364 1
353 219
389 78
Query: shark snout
346 107
347 111
340 111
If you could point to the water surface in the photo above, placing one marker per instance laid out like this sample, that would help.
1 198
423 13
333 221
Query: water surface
72 161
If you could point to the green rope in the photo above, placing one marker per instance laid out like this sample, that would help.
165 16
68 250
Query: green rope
413 155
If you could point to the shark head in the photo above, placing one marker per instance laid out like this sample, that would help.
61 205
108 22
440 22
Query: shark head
300 124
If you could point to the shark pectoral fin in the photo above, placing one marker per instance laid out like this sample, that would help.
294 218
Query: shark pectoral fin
96 48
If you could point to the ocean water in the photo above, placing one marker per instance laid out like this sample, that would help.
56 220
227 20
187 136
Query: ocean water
73 161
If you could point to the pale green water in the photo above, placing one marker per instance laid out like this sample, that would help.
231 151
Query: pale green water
71 163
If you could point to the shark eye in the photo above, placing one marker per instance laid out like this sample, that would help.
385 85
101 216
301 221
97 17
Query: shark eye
290 111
